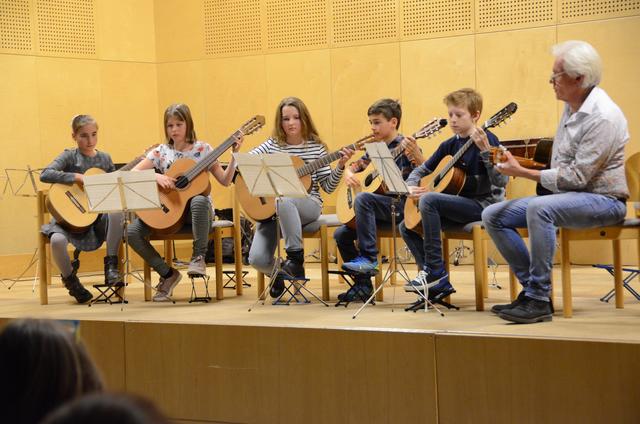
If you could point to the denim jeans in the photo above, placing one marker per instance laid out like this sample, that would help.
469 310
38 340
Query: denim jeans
372 210
438 210
542 215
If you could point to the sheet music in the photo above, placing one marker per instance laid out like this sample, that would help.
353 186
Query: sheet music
270 175
120 190
387 168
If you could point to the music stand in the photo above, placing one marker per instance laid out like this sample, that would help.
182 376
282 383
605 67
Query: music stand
272 176
122 191
388 170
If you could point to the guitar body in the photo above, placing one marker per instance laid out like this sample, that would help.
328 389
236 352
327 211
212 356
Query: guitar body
170 217
450 183
69 205
370 182
263 208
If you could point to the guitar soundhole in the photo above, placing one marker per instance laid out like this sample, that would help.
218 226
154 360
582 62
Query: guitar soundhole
368 180
165 209
182 182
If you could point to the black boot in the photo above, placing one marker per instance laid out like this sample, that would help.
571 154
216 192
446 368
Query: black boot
111 273
294 265
277 287
76 289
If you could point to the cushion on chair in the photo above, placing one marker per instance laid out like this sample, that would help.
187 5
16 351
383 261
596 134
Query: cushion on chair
330 220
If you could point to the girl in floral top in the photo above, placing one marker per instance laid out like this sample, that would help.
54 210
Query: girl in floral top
181 143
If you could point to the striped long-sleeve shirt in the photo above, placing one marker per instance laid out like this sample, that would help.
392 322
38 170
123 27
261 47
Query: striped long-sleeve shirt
309 151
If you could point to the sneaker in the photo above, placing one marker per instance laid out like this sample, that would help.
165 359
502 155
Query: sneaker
425 280
197 267
528 311
361 265
440 290
277 288
357 292
496 309
164 289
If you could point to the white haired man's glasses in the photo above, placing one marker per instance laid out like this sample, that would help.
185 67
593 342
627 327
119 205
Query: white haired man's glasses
554 77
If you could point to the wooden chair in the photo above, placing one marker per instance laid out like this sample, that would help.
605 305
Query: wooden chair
44 251
318 229
627 230
219 230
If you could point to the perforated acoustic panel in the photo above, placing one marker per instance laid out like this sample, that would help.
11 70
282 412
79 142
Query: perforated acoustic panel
295 24
232 26
66 26
15 26
510 14
359 22
428 18
581 10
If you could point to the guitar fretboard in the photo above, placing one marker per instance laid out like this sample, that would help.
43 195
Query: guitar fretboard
325 160
206 162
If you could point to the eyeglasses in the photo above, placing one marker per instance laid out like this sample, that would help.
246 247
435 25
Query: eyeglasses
554 77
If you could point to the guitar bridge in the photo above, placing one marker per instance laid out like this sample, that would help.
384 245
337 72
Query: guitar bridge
75 202
165 209
349 198
262 201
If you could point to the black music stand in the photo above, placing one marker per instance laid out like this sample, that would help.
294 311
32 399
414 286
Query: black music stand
275 176
126 192
388 170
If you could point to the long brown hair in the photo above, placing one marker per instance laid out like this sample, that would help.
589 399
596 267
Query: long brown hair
309 131
42 365
181 112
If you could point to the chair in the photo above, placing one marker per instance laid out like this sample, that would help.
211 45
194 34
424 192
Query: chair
627 230
219 230
44 253
318 229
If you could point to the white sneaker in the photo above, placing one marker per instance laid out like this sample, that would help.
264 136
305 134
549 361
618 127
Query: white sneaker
417 284
197 267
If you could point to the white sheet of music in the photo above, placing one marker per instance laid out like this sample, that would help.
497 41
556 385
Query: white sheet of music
120 190
270 175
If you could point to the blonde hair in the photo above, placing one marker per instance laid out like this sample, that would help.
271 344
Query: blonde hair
80 121
181 112
467 98
308 128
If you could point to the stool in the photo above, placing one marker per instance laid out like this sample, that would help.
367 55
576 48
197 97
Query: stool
349 279
293 287
194 296
438 299
231 278
631 274
107 291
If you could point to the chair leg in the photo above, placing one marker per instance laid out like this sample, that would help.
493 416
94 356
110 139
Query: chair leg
445 254
565 262
260 285
513 285
617 273
485 269
237 257
477 267
147 281
324 261
217 249
378 277
42 269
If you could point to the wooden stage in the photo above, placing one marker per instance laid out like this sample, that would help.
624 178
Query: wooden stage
217 362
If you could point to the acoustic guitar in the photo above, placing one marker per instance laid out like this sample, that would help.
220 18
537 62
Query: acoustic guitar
530 153
263 208
447 178
370 180
191 180
69 205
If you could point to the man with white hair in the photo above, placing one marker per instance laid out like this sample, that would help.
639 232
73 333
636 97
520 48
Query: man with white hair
586 180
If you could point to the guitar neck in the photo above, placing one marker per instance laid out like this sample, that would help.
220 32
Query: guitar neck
459 153
311 167
211 157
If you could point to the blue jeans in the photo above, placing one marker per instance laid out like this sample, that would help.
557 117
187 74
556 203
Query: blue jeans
372 210
542 215
438 210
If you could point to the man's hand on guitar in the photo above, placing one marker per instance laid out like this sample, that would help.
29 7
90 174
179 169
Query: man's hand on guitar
346 155
165 182
416 191
508 165
479 137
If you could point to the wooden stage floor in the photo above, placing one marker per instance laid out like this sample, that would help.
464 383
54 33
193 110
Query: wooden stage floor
592 319
219 363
